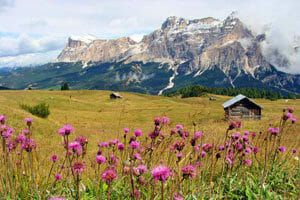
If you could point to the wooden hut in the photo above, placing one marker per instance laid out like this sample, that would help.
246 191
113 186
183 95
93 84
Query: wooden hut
115 96
242 107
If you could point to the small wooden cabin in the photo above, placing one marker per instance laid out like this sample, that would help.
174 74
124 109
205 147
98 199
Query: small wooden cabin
115 96
242 107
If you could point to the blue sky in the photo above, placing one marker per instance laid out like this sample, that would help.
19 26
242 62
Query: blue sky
35 31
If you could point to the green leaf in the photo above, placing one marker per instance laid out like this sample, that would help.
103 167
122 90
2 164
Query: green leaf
104 187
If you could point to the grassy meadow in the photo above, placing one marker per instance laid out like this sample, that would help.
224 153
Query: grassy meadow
95 116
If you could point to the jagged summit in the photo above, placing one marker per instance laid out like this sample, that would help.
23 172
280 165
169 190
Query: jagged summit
86 38
191 48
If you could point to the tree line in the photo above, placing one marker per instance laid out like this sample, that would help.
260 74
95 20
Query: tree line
198 91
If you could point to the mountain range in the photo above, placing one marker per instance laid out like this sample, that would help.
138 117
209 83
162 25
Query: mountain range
182 52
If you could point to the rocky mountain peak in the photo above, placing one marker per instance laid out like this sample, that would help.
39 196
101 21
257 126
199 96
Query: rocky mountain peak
172 22
207 51
76 41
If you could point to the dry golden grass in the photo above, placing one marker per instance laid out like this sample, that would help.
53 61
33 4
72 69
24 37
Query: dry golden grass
99 118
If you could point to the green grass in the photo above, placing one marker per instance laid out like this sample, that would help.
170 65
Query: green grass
99 118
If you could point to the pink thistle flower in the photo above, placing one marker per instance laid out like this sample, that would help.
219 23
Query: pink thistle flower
103 144
142 169
235 125
173 131
239 146
11 145
137 156
203 154
295 151
82 140
294 120
157 120
247 162
114 159
165 120
245 138
8 133
28 145
177 196
58 177
253 135
172 147
134 144
179 145
206 147
68 129
154 134
28 121
109 175
179 127
282 149
26 131
78 167
189 171
75 147
198 134
61 131
54 158
230 158
287 116
137 193
2 119
277 130
221 148
197 148
120 146
289 109
138 132
247 151
199 164
100 159
246 133
161 173
255 150
236 136
271 130
126 130
157 128
114 142
179 155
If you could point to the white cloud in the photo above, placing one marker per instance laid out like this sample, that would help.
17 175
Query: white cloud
4 4
24 44
28 59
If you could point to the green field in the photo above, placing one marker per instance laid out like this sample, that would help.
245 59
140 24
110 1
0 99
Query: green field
95 116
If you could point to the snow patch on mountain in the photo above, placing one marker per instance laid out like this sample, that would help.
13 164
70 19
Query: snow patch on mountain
86 38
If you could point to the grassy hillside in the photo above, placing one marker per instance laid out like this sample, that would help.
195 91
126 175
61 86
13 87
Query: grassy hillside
97 117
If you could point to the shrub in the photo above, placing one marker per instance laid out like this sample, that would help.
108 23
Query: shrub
40 110
65 86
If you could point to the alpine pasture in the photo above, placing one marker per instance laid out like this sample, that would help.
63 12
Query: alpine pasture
199 169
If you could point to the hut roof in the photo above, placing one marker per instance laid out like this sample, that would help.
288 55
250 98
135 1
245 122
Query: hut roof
237 99
116 94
